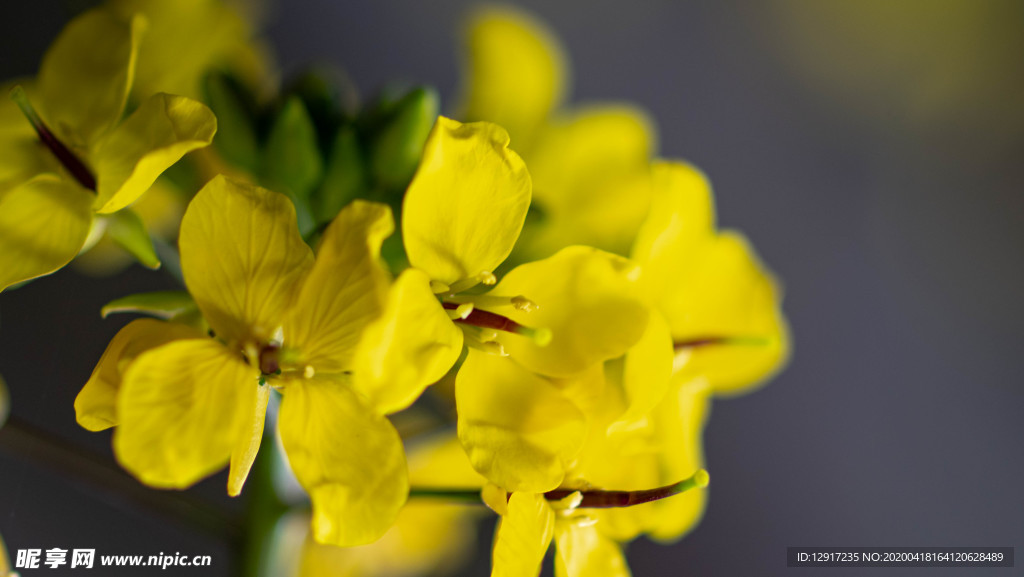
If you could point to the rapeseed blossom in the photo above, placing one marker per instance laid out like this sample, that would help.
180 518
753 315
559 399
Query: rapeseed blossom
93 162
282 319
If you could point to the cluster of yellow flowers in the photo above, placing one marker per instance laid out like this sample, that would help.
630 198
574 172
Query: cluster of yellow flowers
568 294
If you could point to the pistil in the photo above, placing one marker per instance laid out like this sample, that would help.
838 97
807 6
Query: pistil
72 163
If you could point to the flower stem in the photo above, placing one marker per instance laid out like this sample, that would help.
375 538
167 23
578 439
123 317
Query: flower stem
22 440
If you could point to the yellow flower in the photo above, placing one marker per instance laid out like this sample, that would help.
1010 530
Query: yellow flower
92 162
720 305
461 217
344 348
589 165
529 522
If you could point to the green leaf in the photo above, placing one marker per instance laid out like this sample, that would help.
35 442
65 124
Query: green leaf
397 146
126 229
235 110
162 304
345 179
291 158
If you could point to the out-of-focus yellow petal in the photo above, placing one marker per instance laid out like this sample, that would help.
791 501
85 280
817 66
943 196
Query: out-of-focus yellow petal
439 461
96 403
467 203
344 291
242 257
523 536
131 157
252 406
589 301
591 180
682 217
160 210
347 457
516 71
647 370
429 538
179 411
86 74
582 551
518 429
43 224
409 348
186 39
730 296
5 563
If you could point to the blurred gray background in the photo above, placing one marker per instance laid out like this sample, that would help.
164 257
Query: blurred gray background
871 151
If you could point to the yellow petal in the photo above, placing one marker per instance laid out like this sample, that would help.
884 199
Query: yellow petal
647 370
523 536
429 538
86 75
682 217
96 403
347 457
181 408
242 258
409 348
584 552
591 175
677 429
518 429
467 203
345 289
515 69
587 298
5 563
131 157
21 156
252 406
43 224
185 40
439 461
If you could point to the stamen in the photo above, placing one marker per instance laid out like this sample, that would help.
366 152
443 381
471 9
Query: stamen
72 163
704 341
610 499
437 287
489 320
485 277
486 301
573 498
